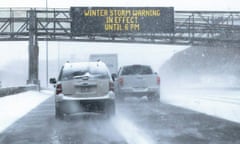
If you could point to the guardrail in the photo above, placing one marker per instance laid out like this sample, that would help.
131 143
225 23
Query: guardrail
14 90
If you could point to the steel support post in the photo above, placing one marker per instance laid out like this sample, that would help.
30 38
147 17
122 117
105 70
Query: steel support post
33 50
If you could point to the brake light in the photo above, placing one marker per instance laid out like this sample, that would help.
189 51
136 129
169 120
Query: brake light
111 86
158 80
120 81
58 89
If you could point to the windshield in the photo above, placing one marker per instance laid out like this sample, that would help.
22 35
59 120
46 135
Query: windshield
136 69
78 73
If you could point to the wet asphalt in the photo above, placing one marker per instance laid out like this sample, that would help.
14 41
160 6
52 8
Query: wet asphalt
137 121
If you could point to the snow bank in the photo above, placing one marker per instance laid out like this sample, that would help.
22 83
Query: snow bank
14 90
221 103
16 106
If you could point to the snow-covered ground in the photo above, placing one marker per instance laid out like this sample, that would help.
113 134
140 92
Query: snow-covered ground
222 103
16 106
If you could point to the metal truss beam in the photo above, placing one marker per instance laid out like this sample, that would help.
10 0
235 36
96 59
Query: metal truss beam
55 24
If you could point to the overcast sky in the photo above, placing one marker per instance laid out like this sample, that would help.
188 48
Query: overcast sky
178 4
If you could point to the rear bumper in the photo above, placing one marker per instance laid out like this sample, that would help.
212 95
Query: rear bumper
73 106
137 92
70 105
62 97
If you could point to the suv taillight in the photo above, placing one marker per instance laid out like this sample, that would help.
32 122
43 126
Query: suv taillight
111 86
58 89
158 80
120 81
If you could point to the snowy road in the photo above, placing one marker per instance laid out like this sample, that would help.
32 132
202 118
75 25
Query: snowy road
222 103
137 122
15 106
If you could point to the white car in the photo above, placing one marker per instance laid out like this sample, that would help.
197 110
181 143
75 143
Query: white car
84 87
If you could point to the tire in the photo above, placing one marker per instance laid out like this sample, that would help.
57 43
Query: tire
58 114
154 97
120 98
109 109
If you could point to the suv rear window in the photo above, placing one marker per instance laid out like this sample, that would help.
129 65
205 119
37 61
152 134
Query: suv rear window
78 73
136 69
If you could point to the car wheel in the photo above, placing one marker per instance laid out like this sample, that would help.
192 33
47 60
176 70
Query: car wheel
58 114
120 97
109 109
154 97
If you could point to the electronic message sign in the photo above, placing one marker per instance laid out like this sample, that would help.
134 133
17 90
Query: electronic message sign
102 20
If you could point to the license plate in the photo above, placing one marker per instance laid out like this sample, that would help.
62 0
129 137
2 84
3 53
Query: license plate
139 88
85 89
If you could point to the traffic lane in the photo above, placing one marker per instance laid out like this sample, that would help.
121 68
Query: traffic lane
136 121
40 127
170 124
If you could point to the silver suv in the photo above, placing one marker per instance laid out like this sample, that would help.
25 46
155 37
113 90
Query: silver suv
84 87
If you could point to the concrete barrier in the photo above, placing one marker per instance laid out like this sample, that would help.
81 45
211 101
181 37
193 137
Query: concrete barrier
14 90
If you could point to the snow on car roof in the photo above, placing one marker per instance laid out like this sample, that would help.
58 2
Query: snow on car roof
136 65
99 66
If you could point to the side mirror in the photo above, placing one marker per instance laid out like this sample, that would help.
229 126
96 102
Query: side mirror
114 76
53 81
